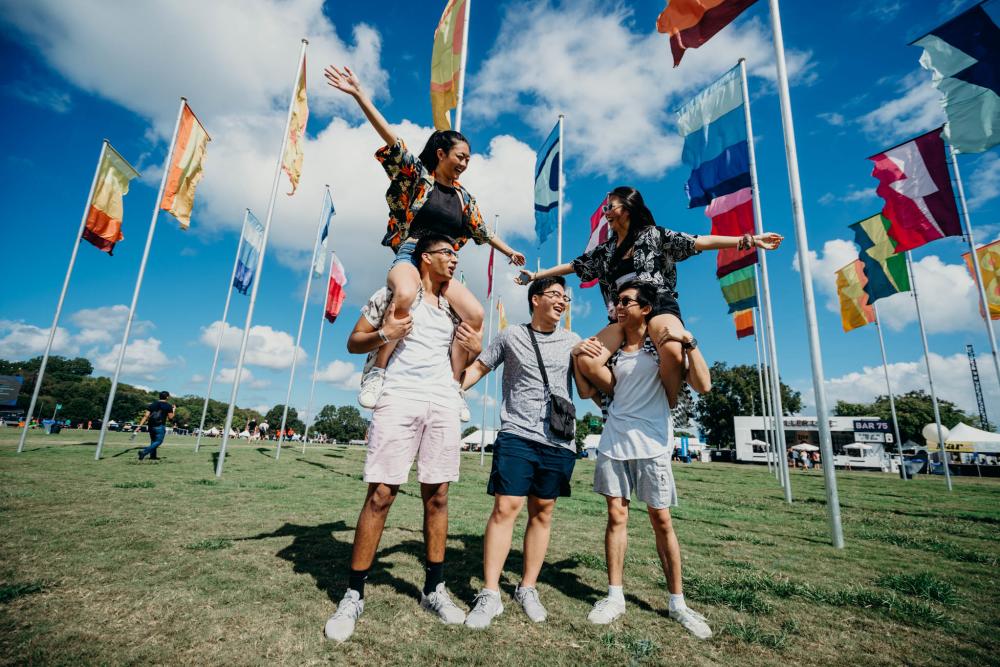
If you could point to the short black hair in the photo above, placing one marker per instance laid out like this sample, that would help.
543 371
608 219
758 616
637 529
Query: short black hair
164 394
542 284
428 240
645 294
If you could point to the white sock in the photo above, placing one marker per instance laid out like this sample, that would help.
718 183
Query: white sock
616 593
677 602
492 593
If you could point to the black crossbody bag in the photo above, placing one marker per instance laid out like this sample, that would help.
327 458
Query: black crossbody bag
562 412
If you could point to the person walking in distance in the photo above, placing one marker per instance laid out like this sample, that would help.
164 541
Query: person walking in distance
157 414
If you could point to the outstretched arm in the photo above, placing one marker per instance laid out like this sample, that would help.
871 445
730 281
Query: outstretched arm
526 276
346 81
767 241
516 258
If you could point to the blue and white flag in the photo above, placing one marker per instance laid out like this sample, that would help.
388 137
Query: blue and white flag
963 56
319 266
547 186
246 266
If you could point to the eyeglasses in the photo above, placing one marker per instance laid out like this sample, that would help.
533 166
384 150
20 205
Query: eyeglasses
442 251
607 208
625 301
557 295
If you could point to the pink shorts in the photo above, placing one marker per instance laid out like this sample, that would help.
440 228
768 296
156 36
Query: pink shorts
402 430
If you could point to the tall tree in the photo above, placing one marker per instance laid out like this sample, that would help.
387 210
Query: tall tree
343 423
914 410
273 418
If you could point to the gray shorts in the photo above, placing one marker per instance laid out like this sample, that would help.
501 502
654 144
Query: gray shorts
652 480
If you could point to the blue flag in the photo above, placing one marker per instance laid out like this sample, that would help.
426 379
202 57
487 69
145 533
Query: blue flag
246 266
547 186
319 266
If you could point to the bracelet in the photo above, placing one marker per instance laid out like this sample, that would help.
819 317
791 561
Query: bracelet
746 242
383 337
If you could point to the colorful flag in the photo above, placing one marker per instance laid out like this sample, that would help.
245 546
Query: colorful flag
547 186
489 274
691 23
291 161
855 311
104 216
963 56
246 265
743 320
739 288
335 294
916 186
732 215
885 269
989 273
186 168
599 233
503 315
319 266
714 128
446 62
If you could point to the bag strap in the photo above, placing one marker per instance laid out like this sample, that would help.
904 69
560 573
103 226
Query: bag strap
538 355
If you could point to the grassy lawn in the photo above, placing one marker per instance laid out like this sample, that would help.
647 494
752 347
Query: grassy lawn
118 562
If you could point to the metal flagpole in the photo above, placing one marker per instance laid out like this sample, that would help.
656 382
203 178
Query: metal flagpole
486 389
771 431
138 285
302 322
888 387
222 331
59 303
983 301
930 377
319 343
777 409
461 76
559 210
760 383
260 266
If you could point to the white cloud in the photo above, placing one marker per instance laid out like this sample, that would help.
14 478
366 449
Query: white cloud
836 254
619 109
340 374
45 97
106 324
914 107
852 195
267 347
247 378
22 341
983 185
833 118
143 358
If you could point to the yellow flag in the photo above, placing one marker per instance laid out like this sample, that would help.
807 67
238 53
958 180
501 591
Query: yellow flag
186 168
291 161
989 273
569 312
446 62
855 311
503 315
104 216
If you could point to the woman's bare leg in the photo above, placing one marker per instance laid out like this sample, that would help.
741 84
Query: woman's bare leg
612 337
671 354
464 303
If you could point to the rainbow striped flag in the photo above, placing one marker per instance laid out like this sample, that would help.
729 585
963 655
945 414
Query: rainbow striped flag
186 168
739 288
691 23
446 62
855 311
104 215
744 323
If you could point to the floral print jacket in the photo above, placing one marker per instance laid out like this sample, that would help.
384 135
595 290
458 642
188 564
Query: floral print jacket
409 186
654 256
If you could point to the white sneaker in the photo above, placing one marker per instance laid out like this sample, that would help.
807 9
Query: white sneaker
485 608
693 622
528 599
371 388
439 603
606 610
464 414
340 627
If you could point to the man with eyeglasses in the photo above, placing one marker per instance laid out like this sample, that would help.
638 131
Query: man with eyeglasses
530 462
416 417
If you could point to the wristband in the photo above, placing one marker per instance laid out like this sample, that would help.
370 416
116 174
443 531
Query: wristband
382 337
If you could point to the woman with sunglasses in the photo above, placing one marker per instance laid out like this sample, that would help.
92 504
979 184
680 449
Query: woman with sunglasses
424 196
640 250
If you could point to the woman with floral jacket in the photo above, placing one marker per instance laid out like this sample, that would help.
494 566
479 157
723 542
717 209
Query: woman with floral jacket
642 251
424 195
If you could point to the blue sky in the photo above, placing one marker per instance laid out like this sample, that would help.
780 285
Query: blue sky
77 73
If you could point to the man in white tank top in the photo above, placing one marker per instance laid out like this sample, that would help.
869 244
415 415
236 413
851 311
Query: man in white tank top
634 453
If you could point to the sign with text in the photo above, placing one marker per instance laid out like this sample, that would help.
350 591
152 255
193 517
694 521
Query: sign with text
871 426
10 387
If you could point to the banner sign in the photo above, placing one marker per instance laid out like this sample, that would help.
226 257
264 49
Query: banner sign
10 387
871 426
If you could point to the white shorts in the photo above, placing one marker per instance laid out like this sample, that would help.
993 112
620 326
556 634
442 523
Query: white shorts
402 430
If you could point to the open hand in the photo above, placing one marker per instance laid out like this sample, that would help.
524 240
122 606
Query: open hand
683 336
524 277
394 327
345 81
768 240
589 347
517 259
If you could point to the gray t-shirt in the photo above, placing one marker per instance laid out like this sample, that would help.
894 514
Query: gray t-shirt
524 410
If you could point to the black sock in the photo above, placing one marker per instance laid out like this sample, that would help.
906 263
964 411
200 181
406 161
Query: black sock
434 573
356 581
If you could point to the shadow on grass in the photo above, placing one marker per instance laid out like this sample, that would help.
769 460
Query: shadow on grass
126 451
265 451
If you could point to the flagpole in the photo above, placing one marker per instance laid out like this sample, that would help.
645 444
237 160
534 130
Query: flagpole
486 389
260 266
319 343
771 430
298 336
930 377
888 386
766 312
559 214
461 76
222 331
138 285
760 384
62 298
978 277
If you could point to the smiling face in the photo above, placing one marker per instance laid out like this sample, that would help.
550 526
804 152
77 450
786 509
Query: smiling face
548 306
617 216
454 162
630 314
440 261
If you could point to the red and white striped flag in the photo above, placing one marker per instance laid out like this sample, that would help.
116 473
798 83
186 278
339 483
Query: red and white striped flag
599 233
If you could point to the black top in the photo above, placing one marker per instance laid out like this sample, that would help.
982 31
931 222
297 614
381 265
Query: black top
158 411
441 213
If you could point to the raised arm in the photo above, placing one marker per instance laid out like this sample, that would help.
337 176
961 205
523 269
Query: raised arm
346 81
516 258
767 241
525 276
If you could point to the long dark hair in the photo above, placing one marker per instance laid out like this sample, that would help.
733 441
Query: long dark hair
443 139
639 218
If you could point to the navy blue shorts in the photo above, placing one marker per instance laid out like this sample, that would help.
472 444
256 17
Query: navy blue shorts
523 467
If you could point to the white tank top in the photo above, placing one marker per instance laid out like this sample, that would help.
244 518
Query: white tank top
639 424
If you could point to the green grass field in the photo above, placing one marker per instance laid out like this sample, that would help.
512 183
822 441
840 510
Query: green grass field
117 562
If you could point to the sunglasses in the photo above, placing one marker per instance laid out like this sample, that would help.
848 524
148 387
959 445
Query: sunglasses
626 301
607 208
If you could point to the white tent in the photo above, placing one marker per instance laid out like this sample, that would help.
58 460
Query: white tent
473 440
964 438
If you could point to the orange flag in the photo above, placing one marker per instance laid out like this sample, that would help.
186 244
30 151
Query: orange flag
104 217
186 168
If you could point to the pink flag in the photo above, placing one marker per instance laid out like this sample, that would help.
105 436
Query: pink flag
599 233
732 215
916 186
335 295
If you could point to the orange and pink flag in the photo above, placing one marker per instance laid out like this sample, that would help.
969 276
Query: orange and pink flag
103 228
691 23
186 168
855 311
